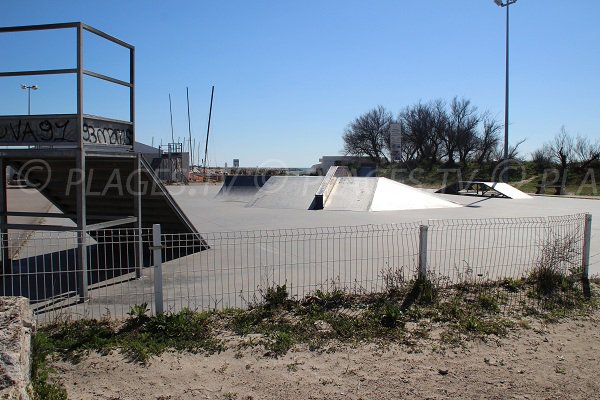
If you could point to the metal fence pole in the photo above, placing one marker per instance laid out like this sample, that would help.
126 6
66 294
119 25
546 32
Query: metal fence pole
423 251
587 239
157 261
137 207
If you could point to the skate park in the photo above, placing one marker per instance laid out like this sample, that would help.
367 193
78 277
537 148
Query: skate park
220 243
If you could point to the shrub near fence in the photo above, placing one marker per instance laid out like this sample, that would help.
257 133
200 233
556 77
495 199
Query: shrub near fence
491 259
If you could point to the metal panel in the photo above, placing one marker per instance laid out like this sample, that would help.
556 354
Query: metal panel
103 131
35 130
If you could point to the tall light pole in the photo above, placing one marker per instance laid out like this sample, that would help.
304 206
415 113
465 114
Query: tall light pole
28 88
500 3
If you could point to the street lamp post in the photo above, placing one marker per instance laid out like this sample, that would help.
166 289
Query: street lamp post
500 3
28 88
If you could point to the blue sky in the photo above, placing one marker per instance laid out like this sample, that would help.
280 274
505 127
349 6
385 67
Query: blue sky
289 76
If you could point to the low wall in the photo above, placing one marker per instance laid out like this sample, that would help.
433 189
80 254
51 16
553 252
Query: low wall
16 327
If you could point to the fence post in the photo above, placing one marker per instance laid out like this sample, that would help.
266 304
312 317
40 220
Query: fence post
587 239
157 262
423 251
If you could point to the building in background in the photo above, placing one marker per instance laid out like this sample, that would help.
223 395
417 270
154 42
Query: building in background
359 166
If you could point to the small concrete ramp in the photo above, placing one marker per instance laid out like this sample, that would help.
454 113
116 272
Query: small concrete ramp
291 192
241 188
508 190
484 189
380 194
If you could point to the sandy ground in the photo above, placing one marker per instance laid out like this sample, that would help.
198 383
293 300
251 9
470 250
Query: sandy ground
555 361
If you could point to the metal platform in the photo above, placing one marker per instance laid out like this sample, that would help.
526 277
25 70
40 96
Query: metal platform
86 166
484 189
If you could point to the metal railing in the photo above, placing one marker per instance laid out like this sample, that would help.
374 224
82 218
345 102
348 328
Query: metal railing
238 267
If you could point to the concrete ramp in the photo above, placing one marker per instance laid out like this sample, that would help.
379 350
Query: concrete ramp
241 188
508 190
484 189
380 194
351 194
111 196
391 195
292 192
346 194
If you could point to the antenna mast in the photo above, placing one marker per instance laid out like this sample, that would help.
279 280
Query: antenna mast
187 92
212 93
171 111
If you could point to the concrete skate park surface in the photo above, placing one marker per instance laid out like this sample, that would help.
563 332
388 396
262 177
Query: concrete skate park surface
209 214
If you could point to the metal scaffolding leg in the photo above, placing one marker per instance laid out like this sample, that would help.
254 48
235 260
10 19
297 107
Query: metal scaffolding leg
82 270
6 264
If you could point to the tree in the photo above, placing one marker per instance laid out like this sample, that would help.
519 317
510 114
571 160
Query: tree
542 158
562 148
585 152
513 151
489 139
431 133
422 126
369 135
462 130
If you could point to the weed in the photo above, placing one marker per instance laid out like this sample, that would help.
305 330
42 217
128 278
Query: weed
488 303
513 285
329 300
484 326
138 311
390 315
319 320
394 280
140 337
281 343
275 296
425 291
41 386
548 282
558 256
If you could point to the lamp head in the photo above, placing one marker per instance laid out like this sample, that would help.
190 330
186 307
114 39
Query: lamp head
23 86
34 87
499 3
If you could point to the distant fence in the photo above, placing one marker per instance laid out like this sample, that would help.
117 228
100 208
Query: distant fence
237 266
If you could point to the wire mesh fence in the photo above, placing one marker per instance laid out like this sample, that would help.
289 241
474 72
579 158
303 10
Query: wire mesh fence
491 257
517 262
45 269
240 264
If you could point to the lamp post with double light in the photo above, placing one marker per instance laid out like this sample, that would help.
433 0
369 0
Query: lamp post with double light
29 88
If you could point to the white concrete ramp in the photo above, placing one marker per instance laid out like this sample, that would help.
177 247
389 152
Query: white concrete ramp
291 192
380 194
508 190
351 194
347 194
391 195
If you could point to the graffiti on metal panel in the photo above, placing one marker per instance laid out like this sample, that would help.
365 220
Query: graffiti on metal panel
107 135
36 131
